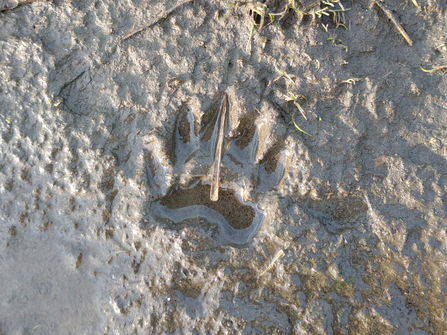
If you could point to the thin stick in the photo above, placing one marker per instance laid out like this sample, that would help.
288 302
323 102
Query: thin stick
165 15
220 127
398 26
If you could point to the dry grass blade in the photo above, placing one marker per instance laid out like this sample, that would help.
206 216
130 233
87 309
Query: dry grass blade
277 256
220 128
351 80
283 74
250 38
293 97
398 26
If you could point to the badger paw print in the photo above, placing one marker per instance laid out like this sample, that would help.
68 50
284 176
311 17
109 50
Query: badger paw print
216 171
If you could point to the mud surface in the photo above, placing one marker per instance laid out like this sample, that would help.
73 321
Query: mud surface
235 213
107 132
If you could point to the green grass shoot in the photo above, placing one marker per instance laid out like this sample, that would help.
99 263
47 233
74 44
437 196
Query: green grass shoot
436 68
297 127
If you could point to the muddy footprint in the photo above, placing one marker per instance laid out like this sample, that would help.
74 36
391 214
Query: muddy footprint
250 167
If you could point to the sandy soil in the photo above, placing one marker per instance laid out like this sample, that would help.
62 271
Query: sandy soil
107 132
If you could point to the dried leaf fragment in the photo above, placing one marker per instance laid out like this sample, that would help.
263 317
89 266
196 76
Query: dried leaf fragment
380 160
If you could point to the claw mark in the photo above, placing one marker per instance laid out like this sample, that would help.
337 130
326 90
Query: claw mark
220 128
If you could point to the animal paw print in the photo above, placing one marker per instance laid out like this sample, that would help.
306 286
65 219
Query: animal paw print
217 172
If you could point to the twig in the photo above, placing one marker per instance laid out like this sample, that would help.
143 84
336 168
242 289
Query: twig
164 16
220 128
398 26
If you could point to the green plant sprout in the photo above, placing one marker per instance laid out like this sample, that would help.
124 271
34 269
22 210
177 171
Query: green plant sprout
436 68
259 11
337 43
338 14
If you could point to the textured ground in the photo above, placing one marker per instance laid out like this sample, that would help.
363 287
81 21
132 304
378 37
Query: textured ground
89 154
